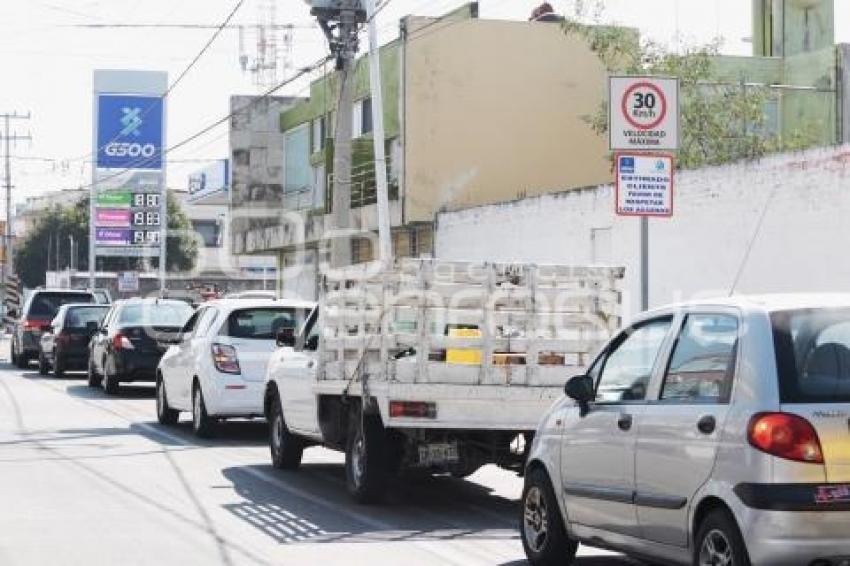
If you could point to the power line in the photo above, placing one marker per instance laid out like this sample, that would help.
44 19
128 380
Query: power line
206 46
190 26
304 71
180 77
414 35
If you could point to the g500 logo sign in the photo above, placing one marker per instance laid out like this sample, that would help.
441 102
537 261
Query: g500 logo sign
129 133
131 120
127 149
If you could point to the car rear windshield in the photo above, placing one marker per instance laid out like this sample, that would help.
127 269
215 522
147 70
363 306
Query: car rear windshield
79 317
46 305
155 314
262 323
813 355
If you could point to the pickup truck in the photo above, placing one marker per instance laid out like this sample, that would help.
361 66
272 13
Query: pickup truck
435 366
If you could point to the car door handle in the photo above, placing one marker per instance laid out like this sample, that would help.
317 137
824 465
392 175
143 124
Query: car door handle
624 422
707 424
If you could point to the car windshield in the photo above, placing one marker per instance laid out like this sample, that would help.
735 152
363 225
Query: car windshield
813 355
155 314
46 305
79 317
262 323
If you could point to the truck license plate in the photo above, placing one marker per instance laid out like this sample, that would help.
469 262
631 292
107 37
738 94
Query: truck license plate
433 454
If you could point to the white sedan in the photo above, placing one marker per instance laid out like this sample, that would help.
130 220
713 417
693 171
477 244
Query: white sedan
216 367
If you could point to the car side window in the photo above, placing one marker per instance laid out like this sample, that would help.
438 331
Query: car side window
205 321
189 328
702 366
107 320
626 370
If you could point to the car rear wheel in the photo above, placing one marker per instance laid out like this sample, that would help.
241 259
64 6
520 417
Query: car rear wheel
544 537
365 458
110 383
164 414
58 367
286 448
43 366
719 542
93 378
21 360
202 424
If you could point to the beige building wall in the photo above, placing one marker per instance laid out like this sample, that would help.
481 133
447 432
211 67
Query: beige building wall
493 110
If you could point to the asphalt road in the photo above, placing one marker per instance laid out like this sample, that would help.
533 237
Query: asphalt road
88 479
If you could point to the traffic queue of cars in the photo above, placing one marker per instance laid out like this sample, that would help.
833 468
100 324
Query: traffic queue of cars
707 433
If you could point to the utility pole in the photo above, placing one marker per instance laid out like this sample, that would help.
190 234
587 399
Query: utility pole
384 234
338 20
8 139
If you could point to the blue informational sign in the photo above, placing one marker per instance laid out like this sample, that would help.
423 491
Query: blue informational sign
129 131
627 164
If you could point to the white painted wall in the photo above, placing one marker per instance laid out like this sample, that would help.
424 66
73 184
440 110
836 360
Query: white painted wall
804 243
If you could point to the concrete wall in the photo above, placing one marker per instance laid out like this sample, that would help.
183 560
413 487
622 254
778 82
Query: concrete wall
801 247
493 109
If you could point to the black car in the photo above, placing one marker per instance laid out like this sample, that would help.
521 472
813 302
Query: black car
65 344
39 309
131 340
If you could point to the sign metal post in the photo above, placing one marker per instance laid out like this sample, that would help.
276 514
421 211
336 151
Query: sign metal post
643 120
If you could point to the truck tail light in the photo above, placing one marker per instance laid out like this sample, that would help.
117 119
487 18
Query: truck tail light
121 342
413 409
786 436
225 358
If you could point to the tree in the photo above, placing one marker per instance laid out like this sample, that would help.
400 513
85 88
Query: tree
720 121
49 239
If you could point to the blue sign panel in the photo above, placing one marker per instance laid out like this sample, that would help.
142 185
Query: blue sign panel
627 164
129 132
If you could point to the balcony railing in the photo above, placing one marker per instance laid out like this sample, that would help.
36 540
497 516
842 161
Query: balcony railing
364 189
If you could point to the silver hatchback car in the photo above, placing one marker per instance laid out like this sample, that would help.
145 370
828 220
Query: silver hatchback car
712 433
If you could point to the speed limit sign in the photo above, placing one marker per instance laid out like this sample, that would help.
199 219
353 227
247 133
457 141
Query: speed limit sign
643 113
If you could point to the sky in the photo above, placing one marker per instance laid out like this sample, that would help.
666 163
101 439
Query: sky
47 62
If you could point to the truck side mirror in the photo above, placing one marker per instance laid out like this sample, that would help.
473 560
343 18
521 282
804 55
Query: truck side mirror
286 338
580 388
91 327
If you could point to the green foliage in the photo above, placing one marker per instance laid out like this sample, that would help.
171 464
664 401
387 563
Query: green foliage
52 229
719 121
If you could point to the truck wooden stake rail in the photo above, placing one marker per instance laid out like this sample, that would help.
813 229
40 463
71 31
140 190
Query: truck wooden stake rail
432 365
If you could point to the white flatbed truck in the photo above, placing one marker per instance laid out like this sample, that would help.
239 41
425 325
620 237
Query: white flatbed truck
434 366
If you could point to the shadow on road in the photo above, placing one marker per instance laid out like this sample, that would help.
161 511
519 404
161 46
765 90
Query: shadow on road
312 505
126 391
591 561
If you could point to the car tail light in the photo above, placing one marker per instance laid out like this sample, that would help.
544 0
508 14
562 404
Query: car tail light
786 436
225 359
413 409
121 342
29 324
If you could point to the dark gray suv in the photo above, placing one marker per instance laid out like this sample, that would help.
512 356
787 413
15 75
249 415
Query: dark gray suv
38 311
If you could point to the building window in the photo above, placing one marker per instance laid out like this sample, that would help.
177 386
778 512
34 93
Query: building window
361 118
209 232
366 115
318 135
296 158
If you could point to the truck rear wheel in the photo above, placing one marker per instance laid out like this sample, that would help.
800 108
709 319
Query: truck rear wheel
365 458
